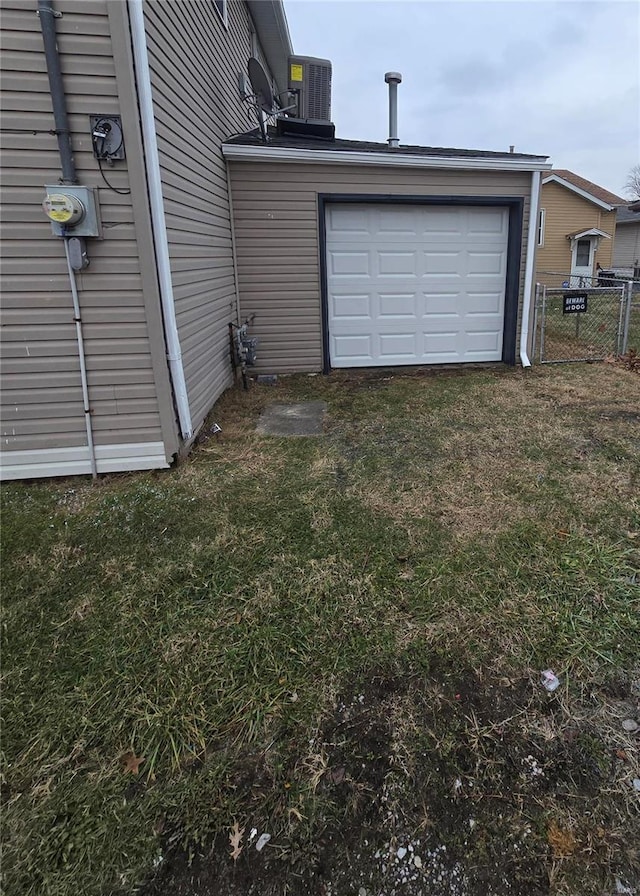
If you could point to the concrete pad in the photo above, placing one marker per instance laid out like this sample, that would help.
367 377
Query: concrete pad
302 419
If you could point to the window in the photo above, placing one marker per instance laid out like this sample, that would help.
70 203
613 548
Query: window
541 217
583 253
221 6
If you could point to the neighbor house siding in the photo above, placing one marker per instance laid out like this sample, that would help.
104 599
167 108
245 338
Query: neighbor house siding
566 212
626 250
276 229
195 61
42 408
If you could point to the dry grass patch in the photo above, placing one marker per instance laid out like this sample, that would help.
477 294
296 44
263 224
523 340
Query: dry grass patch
498 449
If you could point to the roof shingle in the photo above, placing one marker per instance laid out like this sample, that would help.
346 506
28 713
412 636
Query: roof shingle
253 139
588 186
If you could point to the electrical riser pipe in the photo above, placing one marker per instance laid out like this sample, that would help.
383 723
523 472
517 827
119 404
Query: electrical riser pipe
83 366
47 16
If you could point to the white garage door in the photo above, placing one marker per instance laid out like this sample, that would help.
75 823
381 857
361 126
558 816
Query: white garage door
415 284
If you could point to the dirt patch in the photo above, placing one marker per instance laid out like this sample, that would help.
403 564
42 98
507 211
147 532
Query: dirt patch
293 419
448 785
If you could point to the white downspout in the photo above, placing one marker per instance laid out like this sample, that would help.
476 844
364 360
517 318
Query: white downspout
529 268
233 242
152 166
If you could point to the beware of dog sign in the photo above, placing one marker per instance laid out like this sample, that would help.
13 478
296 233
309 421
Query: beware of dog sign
574 302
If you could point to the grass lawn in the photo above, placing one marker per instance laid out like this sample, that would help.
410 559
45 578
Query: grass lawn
337 641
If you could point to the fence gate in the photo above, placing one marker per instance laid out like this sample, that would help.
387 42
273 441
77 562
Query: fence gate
580 324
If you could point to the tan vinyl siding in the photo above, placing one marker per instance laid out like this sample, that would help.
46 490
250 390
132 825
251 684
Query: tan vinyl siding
194 62
626 250
566 212
276 232
41 395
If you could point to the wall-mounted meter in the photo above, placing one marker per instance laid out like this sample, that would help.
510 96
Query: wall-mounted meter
62 208
73 211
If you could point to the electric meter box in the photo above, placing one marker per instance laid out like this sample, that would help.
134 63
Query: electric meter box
73 211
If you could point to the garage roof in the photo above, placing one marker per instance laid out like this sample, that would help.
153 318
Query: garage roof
250 146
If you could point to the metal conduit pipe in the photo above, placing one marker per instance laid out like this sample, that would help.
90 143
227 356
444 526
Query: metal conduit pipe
83 367
56 87
48 17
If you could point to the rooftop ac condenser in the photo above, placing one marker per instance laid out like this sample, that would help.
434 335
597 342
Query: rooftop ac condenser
310 85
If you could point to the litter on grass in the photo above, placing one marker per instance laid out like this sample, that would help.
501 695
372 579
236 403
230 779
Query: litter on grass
263 839
550 680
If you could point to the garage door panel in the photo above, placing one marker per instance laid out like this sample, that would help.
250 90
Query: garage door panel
349 263
397 305
397 346
352 350
444 303
486 222
397 263
486 263
441 347
396 222
484 303
443 263
349 220
482 342
442 221
352 306
417 284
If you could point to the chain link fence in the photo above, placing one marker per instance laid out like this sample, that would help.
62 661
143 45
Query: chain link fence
585 318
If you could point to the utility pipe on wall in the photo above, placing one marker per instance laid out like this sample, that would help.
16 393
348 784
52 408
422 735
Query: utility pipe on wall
529 268
152 166
83 367
48 17
56 86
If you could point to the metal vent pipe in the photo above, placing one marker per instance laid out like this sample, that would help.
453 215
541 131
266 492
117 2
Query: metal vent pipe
393 79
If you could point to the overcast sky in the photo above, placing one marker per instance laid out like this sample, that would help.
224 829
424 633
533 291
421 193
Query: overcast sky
554 78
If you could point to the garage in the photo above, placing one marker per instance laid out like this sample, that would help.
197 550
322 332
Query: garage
354 254
415 284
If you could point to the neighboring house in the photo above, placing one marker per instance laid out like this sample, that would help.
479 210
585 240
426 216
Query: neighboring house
349 253
158 295
576 227
626 249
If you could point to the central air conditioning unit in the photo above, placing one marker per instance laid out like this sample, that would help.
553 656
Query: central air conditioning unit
310 87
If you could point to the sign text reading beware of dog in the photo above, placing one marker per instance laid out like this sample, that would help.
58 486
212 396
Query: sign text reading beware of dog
574 302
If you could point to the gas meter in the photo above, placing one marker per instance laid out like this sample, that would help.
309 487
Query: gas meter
73 211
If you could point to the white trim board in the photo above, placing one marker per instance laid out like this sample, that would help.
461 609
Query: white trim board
554 179
74 461
266 153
